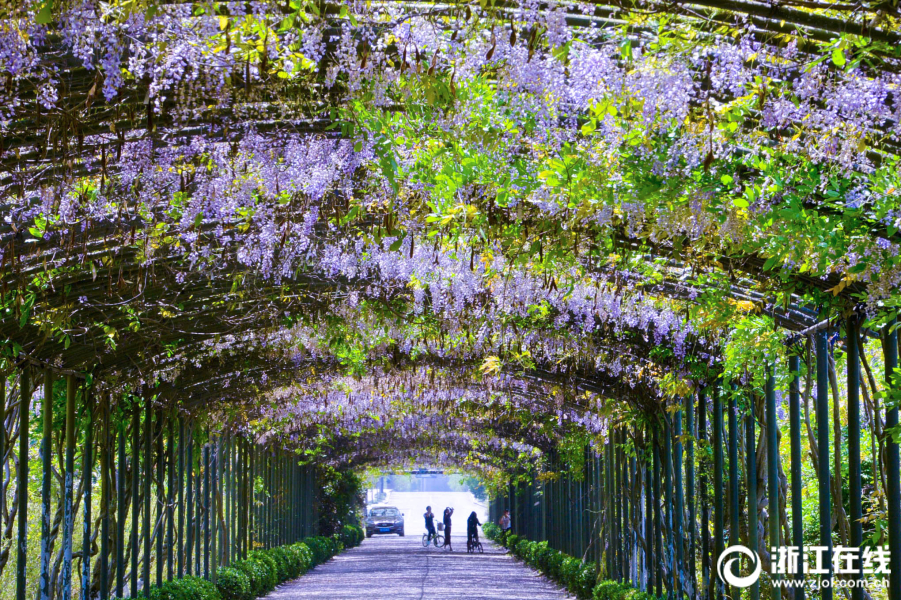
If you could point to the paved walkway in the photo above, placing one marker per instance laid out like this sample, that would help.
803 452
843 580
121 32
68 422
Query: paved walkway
400 568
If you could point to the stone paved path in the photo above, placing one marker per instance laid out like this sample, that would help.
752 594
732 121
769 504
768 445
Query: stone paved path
400 568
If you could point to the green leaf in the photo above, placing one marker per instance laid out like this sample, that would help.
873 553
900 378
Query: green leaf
740 203
397 244
26 309
45 15
726 179
838 57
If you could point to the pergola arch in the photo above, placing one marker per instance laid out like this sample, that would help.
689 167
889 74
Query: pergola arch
576 226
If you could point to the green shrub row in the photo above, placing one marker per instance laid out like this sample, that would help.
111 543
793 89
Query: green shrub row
187 588
614 590
352 535
323 548
579 577
260 572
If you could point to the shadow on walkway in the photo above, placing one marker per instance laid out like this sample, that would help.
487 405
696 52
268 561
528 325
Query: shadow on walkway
400 568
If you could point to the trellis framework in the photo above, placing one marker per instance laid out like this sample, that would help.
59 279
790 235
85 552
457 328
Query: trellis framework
624 507
174 498
223 221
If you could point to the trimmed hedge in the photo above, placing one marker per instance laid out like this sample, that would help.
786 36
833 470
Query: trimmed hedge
323 548
614 590
233 584
352 535
579 577
259 573
187 588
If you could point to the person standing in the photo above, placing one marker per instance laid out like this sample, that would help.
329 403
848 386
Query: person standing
505 522
448 512
430 522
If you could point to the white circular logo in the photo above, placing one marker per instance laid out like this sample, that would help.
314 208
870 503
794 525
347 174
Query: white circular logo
728 558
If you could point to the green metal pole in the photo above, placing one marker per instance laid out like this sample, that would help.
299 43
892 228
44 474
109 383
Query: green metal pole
206 509
893 460
751 474
690 484
69 480
719 520
823 446
702 492
628 513
281 498
854 481
286 502
622 508
148 478
105 500
160 498
25 390
678 531
658 520
249 489
189 502
46 479
226 470
135 495
242 499
265 525
264 500
170 497
273 490
214 505
772 464
88 474
3 434
121 507
649 521
279 513
733 478
794 399
669 503
295 504
588 510
180 553
617 507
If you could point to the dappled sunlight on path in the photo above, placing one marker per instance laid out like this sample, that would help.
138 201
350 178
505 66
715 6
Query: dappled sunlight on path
400 568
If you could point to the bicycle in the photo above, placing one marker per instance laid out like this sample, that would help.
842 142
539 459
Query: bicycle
473 545
437 539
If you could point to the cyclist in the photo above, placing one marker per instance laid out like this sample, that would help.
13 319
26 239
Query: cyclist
472 533
430 522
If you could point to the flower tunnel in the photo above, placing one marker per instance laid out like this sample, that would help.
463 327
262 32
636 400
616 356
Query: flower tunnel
635 264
